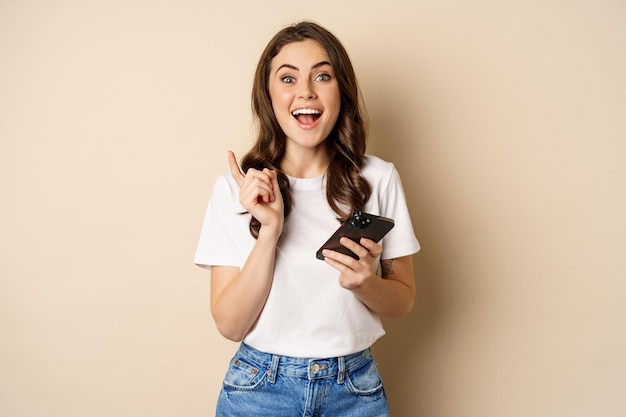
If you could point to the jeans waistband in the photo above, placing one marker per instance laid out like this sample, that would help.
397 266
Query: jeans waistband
304 367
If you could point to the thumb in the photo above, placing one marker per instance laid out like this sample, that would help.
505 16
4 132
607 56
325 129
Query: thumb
234 168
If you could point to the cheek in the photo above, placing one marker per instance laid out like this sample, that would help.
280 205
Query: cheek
280 102
280 107
277 101
336 106
277 91
333 98
282 116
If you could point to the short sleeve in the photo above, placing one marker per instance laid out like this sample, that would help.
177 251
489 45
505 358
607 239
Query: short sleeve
401 240
224 238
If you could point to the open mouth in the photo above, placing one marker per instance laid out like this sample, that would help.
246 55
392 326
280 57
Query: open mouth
306 116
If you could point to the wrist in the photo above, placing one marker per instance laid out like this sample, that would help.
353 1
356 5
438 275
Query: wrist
359 284
271 233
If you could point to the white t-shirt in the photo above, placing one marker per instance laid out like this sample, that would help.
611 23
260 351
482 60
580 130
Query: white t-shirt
307 313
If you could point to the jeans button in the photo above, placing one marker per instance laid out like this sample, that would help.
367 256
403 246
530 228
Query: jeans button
315 368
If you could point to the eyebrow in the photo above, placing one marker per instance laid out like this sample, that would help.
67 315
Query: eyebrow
293 67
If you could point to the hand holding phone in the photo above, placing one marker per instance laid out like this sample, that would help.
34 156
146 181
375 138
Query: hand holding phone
359 225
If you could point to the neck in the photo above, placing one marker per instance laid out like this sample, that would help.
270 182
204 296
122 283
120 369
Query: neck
310 163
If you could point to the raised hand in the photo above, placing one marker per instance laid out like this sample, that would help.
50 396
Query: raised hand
259 193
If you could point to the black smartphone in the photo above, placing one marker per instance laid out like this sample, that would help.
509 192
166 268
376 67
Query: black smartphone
359 225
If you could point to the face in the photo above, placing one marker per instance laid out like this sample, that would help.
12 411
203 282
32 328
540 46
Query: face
305 93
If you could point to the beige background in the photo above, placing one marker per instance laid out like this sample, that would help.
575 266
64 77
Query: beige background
506 120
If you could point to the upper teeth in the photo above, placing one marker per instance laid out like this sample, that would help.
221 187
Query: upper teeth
305 111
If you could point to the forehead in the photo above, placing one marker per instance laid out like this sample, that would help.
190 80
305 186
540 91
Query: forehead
301 54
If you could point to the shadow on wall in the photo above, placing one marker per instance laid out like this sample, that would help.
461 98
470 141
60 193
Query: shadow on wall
398 133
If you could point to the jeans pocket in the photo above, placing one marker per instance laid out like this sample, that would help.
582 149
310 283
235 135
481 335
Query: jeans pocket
244 375
364 379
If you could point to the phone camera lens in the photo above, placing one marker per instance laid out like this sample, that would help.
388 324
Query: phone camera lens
360 221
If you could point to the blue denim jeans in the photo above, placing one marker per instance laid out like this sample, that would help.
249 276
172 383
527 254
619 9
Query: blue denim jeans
259 384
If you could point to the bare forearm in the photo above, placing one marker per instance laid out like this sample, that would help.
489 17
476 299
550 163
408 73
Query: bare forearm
237 304
386 296
392 294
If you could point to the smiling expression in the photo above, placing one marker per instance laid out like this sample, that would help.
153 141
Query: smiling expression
305 93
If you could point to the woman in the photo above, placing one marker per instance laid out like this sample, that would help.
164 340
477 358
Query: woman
305 325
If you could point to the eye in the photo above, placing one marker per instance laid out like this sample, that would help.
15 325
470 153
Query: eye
323 77
288 79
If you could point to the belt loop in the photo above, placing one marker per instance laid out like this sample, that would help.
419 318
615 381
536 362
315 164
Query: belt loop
341 375
273 371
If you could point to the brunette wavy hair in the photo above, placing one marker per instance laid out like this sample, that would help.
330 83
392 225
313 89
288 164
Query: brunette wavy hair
346 190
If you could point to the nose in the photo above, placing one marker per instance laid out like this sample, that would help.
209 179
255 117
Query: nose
307 92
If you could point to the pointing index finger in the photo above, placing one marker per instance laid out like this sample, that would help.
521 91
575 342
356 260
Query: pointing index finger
234 168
